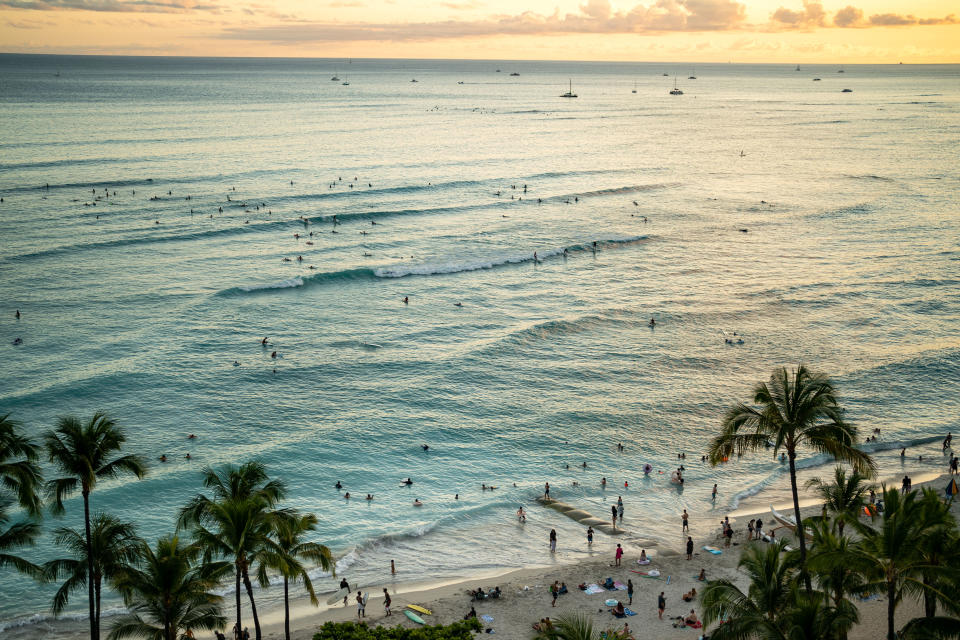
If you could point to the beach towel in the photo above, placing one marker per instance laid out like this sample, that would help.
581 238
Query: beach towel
696 625
713 550
619 586
593 589
629 613
486 618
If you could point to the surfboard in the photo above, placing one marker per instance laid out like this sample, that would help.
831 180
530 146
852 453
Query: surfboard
338 596
420 609
713 550
414 617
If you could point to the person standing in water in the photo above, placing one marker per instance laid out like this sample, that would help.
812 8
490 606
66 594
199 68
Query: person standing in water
553 540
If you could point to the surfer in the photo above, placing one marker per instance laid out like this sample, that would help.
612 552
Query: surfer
343 583
535 259
652 322
236 363
17 341
191 437
408 481
369 496
458 304
264 342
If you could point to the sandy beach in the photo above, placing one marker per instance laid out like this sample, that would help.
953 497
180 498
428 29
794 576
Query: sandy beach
526 596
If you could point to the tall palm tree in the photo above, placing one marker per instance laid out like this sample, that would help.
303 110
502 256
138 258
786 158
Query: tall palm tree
236 521
770 594
286 552
829 554
167 591
113 544
888 557
844 497
82 451
939 548
794 410
20 479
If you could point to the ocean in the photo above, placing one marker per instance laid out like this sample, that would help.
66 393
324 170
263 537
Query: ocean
161 216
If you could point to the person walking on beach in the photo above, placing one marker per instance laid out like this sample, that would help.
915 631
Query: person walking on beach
759 528
689 548
386 601
546 491
686 521
618 555
360 605
589 535
661 605
630 591
714 492
553 540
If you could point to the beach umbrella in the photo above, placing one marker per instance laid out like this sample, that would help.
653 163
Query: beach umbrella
952 489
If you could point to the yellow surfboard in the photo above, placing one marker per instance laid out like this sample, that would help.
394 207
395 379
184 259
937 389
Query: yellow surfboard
420 609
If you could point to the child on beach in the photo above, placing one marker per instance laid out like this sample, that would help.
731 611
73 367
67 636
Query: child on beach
618 555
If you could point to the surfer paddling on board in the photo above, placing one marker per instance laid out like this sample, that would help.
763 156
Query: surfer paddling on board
408 481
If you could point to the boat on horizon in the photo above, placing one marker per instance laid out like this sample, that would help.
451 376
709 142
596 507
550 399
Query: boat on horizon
693 75
515 74
798 67
569 93
335 78
634 87
675 91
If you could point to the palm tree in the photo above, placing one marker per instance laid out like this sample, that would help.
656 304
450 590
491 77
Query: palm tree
888 556
113 544
82 451
939 548
168 591
285 553
829 555
795 410
572 627
755 613
844 497
236 521
20 479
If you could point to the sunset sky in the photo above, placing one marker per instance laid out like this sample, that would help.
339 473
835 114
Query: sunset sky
881 31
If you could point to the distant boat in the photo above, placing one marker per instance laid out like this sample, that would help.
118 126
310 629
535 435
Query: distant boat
666 75
460 82
413 80
847 91
798 67
675 91
514 73
840 70
692 75
57 74
498 70
569 93
345 83
634 87
335 78
816 79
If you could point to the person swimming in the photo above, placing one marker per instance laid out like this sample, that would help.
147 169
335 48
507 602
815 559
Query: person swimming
408 481
264 342
338 485
163 458
425 447
191 437
458 304
274 355
417 503
347 495
406 300
369 496
236 363
17 341
652 322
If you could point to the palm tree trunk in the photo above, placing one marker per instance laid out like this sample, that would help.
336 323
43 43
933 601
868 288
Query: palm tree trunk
796 515
96 593
286 609
891 610
239 631
253 605
94 628
929 601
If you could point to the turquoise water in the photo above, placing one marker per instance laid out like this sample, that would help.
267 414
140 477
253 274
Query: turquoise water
136 305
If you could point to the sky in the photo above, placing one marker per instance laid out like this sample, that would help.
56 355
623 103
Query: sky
790 31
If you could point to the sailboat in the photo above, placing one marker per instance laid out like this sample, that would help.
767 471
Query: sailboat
335 78
692 76
569 93
346 82
675 91
798 67
634 87
840 70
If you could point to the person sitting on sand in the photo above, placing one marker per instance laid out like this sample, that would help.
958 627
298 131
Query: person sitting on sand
478 594
544 626
703 575
692 620
643 557
496 593
563 588
471 614
690 595
618 610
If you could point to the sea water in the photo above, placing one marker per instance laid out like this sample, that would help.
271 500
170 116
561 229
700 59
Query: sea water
817 226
